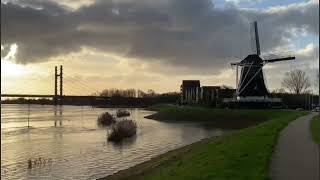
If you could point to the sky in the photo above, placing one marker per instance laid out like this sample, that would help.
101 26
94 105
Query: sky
149 44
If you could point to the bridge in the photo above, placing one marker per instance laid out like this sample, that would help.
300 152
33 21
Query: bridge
68 90
59 97
48 96
27 95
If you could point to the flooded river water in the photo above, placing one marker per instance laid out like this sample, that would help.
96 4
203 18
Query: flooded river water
77 148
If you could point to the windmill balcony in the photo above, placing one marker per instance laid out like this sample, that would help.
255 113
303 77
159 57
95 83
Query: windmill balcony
252 99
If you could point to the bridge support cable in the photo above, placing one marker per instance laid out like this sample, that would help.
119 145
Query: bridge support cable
62 84
71 88
75 87
85 87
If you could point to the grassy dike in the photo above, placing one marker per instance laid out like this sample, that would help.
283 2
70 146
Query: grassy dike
315 130
242 154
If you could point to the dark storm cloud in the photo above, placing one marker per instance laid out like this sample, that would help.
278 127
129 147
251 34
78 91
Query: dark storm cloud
277 24
189 33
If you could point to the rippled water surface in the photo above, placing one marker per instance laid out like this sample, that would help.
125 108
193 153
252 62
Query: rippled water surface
77 147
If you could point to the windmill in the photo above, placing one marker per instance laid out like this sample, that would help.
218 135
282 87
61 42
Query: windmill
251 84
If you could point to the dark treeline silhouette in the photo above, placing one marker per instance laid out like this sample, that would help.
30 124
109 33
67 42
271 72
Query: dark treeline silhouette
27 101
133 98
132 93
118 93
109 98
292 101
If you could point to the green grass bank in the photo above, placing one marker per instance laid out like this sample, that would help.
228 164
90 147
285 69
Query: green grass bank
220 118
315 129
242 154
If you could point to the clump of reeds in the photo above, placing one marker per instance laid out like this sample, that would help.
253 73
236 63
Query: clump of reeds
38 162
122 129
122 113
106 119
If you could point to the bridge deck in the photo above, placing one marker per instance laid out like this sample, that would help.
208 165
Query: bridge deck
47 96
27 95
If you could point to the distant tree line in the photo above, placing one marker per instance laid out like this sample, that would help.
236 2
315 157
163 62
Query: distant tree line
27 101
132 93
118 92
135 98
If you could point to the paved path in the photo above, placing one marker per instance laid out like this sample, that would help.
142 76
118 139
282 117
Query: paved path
296 156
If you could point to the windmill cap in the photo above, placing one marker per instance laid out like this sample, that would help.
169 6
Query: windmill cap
252 58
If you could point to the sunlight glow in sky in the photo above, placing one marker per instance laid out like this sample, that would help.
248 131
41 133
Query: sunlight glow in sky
8 67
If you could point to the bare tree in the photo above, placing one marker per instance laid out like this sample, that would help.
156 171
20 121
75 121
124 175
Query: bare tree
296 81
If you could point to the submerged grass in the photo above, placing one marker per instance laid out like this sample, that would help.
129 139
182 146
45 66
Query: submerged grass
243 154
315 129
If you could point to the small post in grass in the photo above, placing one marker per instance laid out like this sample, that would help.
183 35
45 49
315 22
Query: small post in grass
28 113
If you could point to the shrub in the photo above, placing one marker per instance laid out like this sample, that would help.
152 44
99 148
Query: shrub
106 119
122 129
122 113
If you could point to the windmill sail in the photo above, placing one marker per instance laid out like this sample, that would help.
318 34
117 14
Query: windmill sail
278 59
255 42
257 37
252 39
270 58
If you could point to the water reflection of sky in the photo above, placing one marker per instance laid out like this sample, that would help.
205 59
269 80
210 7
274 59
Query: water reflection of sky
77 146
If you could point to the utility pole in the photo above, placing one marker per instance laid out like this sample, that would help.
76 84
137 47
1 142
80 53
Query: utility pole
28 112
237 81
319 99
310 101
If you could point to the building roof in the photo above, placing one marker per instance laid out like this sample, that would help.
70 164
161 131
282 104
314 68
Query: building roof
190 83
211 87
